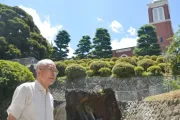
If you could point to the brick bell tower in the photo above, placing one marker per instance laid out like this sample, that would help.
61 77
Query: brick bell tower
159 16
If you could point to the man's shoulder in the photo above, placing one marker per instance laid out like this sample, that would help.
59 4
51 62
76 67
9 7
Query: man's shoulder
26 86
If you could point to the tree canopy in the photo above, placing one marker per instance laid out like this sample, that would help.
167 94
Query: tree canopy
19 36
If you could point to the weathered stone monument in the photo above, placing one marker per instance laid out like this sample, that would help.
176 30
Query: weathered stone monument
82 105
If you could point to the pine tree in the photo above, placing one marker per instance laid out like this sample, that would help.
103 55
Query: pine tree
62 41
84 47
102 44
147 42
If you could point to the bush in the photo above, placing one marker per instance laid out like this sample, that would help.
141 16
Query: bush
145 63
124 59
147 57
61 68
11 75
155 70
160 59
146 74
138 70
105 72
134 60
75 71
69 62
90 73
97 65
154 57
123 69
140 57
162 66
111 64
87 68
114 59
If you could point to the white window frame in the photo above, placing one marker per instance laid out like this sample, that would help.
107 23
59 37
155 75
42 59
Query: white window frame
158 14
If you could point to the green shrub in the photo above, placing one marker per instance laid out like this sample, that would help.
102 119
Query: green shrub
107 59
154 57
140 57
114 59
145 63
138 70
75 71
123 69
84 64
111 64
105 72
160 60
146 74
61 68
87 68
97 65
147 57
134 60
11 75
69 62
124 59
155 70
90 73
162 66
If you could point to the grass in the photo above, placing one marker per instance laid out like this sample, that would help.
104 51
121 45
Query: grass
165 96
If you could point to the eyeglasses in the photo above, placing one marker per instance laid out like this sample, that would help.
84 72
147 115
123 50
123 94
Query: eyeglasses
50 69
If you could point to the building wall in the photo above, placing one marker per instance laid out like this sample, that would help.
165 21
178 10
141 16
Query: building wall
123 52
163 28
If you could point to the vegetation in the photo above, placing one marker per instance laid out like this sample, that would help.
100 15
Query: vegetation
19 36
11 75
147 42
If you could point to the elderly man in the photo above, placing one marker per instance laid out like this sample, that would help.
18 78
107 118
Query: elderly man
32 100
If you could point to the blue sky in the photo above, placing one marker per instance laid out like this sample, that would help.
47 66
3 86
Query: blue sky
122 18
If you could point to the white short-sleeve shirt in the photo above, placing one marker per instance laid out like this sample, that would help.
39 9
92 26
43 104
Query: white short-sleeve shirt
31 102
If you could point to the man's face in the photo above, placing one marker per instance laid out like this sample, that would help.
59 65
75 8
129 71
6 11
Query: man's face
48 74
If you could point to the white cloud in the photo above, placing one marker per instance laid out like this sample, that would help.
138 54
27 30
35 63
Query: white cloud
132 31
44 26
116 26
47 31
99 19
123 43
71 51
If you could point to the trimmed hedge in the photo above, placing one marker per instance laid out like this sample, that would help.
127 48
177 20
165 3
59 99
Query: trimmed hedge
11 75
105 72
138 70
75 71
61 68
145 63
123 69
162 66
155 70
97 65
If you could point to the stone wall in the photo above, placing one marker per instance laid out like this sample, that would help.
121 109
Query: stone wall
151 110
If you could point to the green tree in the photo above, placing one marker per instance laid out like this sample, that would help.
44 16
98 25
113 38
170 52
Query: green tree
174 53
102 44
62 41
147 41
17 29
84 47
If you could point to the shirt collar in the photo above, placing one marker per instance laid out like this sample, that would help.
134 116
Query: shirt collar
40 87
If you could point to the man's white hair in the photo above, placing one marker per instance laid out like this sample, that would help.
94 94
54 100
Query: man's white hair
44 62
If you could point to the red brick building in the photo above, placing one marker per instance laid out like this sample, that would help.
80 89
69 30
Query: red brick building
159 16
125 52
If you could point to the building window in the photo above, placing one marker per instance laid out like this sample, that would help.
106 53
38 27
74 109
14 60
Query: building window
161 39
158 14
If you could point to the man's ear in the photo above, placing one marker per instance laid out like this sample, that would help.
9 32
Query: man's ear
38 72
